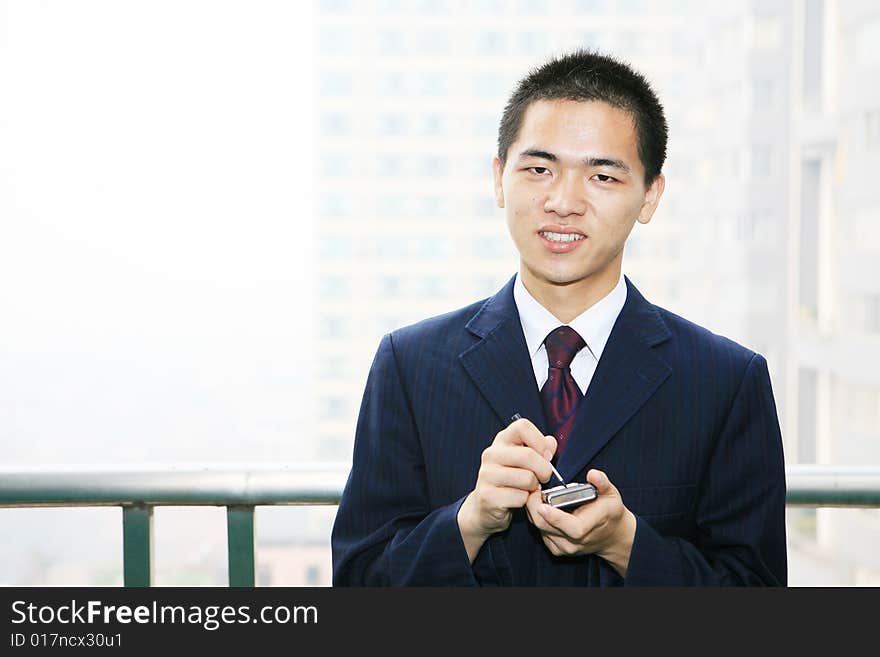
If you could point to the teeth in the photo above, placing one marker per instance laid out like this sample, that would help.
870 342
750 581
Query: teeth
562 237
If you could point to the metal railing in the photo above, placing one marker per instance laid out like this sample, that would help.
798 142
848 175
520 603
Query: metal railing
241 488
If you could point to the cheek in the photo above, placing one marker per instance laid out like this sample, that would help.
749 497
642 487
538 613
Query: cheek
615 216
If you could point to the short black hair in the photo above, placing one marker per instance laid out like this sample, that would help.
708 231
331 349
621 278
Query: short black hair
586 75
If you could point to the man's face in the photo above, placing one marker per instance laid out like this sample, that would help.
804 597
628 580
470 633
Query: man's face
573 173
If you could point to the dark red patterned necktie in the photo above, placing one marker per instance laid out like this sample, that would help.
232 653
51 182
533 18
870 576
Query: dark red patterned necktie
560 394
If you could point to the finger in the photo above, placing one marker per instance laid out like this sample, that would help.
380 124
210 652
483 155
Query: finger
524 432
601 481
506 498
534 501
562 523
509 477
519 456
563 547
533 505
551 545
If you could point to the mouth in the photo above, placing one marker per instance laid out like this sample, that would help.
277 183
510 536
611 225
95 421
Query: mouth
561 242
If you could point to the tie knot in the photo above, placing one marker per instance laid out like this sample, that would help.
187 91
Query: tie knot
562 344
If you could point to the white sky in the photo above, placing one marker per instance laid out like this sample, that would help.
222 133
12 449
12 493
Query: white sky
155 232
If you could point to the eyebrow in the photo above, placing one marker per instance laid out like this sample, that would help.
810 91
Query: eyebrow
600 161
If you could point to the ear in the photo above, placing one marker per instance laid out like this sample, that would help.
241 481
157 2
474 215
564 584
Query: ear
652 198
498 170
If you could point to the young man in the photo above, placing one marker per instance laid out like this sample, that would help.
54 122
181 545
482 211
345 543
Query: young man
675 427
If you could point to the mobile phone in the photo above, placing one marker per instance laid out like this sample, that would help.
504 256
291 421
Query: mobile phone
569 496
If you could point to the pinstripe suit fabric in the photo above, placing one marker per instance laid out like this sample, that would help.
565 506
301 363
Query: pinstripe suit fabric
681 420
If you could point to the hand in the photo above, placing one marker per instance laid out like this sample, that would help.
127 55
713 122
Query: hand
604 526
511 468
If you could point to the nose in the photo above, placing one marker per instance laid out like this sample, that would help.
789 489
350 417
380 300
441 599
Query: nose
566 195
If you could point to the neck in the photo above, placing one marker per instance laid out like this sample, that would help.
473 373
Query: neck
568 300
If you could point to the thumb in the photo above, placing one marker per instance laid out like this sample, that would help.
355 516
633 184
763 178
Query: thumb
602 483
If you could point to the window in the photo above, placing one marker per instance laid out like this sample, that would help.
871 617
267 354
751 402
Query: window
867 38
334 366
391 207
430 206
872 130
434 247
489 85
434 84
313 576
334 205
862 408
531 42
389 165
866 230
389 286
762 161
333 326
335 165
871 304
391 42
336 248
432 286
392 84
335 84
391 247
333 287
484 206
767 33
335 41
813 54
431 125
807 399
335 5
433 42
589 6
334 407
391 125
763 94
490 43
809 237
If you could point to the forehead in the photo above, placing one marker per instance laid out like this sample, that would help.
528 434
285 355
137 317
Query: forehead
575 129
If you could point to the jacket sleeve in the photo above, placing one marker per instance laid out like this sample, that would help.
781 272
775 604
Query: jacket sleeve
385 533
740 512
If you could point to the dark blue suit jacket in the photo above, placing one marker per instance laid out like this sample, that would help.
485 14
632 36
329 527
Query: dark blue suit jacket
681 420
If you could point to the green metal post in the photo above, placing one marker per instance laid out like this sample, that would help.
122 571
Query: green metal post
241 545
137 545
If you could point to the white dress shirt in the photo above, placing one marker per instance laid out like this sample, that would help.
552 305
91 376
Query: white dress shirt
593 325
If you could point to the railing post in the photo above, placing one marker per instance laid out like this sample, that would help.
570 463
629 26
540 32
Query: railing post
241 545
137 545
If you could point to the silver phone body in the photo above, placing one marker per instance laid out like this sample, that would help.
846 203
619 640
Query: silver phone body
569 496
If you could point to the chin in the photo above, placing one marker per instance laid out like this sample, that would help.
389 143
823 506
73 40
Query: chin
563 278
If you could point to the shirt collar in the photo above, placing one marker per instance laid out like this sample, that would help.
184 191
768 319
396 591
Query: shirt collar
593 325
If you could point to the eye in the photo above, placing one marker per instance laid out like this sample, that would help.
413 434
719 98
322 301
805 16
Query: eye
539 170
601 177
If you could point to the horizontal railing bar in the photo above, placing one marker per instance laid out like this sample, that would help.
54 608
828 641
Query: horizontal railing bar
314 484
173 485
842 486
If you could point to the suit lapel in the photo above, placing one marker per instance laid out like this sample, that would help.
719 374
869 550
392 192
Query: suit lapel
499 364
628 373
